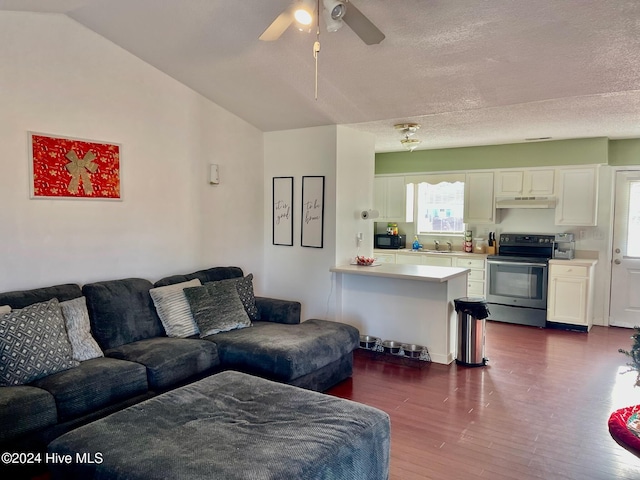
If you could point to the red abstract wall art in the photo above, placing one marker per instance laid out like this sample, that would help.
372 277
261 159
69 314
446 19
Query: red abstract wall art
65 167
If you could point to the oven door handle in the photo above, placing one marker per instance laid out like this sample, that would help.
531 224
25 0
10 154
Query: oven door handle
519 264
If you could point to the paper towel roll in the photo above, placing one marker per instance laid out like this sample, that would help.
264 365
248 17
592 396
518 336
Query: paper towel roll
369 214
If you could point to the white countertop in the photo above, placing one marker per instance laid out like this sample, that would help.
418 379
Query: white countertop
422 273
586 262
455 253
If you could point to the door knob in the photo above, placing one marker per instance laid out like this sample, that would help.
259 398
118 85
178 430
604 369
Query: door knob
617 261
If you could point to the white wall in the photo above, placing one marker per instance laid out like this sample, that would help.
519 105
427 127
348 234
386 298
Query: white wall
58 77
346 158
301 273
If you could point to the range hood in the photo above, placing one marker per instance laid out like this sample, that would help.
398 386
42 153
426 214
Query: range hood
526 202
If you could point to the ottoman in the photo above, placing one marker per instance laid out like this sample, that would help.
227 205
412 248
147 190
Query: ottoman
230 426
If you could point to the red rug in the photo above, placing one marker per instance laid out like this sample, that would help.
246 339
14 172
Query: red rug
620 431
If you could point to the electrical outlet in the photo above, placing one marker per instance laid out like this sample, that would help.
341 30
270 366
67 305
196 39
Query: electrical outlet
582 235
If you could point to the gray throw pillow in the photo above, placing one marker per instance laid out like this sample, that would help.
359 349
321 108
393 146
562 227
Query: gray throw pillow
33 344
76 318
217 307
173 309
244 285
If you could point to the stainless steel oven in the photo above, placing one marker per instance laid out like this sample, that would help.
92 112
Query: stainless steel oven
517 279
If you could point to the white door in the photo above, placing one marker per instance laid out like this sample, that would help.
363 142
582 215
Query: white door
625 269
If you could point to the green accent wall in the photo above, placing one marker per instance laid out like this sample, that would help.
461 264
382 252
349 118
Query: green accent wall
624 152
536 154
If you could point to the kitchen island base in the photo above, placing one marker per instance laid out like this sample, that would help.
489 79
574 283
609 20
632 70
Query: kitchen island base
409 305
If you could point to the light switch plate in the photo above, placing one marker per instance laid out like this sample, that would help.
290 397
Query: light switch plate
214 177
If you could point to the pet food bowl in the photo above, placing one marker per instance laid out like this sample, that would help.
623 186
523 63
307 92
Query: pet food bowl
368 341
412 350
391 346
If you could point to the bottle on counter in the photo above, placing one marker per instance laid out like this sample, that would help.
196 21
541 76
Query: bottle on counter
416 243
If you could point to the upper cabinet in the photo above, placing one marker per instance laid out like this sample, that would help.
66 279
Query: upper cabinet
390 198
515 183
577 190
479 206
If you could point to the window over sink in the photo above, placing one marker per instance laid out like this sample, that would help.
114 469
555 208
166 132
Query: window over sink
439 203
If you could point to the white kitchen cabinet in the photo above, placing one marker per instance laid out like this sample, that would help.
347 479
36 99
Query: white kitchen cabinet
514 183
390 198
479 206
437 260
408 259
432 259
385 257
476 279
577 190
570 292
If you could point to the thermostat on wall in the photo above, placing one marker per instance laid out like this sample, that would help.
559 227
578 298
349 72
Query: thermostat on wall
214 179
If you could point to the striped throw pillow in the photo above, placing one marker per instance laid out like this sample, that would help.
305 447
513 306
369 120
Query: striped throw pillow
173 309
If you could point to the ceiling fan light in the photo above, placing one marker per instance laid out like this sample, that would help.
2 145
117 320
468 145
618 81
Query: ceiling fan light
336 8
303 13
303 17
332 24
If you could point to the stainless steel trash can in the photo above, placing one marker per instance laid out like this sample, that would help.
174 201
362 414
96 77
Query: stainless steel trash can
472 313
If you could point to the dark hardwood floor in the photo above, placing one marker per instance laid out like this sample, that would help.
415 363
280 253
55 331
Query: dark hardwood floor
538 410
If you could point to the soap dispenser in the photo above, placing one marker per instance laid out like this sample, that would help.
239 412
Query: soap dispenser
416 243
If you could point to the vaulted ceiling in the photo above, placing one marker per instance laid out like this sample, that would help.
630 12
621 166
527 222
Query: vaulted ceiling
471 72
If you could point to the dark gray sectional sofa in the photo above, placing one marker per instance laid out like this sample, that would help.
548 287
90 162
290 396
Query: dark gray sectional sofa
140 361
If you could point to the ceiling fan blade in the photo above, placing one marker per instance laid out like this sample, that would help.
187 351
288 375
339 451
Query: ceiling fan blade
362 26
279 25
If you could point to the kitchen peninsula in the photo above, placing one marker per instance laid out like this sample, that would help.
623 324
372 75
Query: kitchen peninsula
407 303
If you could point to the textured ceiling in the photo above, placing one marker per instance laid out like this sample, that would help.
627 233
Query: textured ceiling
471 72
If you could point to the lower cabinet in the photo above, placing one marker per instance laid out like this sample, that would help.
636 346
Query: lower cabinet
476 280
476 283
570 292
385 257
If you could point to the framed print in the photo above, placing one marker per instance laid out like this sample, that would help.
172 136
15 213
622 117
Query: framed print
312 211
64 167
282 211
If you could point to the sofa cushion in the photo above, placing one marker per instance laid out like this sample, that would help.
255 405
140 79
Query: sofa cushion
169 361
209 275
217 307
94 384
121 312
25 409
76 319
33 343
285 352
173 309
24 298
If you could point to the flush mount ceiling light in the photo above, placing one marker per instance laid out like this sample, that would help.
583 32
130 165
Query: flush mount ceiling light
407 129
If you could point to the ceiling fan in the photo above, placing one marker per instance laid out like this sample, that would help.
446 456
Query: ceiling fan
335 12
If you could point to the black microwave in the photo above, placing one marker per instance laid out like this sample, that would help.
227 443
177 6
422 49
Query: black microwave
382 240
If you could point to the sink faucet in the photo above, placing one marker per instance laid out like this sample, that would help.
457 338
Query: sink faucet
437 244
449 245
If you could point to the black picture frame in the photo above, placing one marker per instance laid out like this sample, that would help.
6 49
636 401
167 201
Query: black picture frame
312 213
282 204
